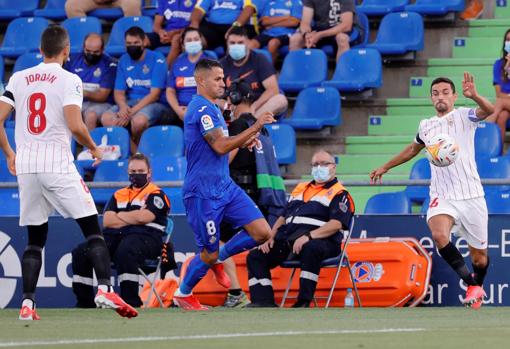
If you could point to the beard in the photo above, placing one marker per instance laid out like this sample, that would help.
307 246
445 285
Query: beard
441 107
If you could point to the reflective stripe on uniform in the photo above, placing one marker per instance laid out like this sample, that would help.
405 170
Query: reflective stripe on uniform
307 275
156 226
83 280
129 277
262 282
304 220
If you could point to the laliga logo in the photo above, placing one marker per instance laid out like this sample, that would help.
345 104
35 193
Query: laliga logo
11 266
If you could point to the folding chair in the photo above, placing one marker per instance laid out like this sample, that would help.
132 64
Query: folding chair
154 265
338 262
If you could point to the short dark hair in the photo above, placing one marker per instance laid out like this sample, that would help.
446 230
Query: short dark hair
189 30
53 40
135 31
440 80
207 64
241 31
142 157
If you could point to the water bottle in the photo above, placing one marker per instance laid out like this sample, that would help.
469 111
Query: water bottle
349 299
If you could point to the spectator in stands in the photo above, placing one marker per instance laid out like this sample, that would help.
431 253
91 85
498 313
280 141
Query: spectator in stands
134 221
169 23
181 84
308 231
97 71
254 68
473 10
79 8
251 171
334 20
220 17
140 78
279 18
501 81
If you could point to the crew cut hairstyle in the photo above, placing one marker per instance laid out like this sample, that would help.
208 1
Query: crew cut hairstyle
207 64
140 156
135 31
53 40
241 31
440 80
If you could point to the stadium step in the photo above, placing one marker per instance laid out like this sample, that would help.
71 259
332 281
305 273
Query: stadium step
364 163
419 86
502 10
419 106
461 61
393 124
484 47
458 70
376 145
497 22
497 32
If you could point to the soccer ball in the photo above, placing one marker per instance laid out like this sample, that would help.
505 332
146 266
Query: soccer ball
442 150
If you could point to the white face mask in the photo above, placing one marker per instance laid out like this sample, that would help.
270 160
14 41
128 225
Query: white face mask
507 46
193 47
320 173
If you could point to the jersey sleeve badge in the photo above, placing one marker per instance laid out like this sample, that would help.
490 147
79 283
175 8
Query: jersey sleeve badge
207 122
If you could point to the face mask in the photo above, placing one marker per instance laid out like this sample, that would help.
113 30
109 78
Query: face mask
237 51
135 52
138 180
193 47
507 46
92 59
320 174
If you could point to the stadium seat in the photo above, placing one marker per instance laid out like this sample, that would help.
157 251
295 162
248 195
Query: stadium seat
315 108
265 53
2 69
494 168
425 206
13 9
420 170
364 22
399 33
176 201
10 202
5 175
10 137
54 9
78 28
168 168
488 141
381 7
357 70
115 45
284 140
162 140
302 69
436 7
27 60
498 202
23 35
107 13
388 203
114 136
109 171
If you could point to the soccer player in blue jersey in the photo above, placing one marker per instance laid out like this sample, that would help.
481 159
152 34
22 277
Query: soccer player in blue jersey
210 195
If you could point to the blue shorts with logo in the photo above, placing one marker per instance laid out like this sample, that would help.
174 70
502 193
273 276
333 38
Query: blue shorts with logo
205 216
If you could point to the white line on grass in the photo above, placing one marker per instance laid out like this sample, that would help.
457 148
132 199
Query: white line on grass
204 336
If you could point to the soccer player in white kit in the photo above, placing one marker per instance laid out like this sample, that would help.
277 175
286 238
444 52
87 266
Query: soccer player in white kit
48 101
457 203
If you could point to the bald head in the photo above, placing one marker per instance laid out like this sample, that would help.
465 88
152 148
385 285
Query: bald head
93 43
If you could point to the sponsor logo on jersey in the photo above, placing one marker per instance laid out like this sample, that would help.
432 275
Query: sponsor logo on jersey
202 109
225 5
207 122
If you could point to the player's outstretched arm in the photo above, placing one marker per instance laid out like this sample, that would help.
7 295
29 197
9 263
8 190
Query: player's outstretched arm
75 123
405 155
485 107
5 110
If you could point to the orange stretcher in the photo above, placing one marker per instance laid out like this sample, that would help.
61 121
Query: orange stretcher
390 272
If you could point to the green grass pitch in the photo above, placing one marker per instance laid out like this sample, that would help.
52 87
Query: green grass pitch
261 328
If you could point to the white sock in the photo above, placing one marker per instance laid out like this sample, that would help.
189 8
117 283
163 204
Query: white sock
105 288
28 302
178 293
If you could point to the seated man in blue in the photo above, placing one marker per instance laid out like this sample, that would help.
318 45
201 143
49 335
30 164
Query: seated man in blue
140 78
210 195
97 71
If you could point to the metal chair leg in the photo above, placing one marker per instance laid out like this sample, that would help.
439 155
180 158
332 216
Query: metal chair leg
288 288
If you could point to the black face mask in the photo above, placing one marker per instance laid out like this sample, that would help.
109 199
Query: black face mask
138 180
135 52
92 59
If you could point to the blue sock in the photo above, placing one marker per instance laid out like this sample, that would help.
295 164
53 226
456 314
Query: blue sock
239 243
195 272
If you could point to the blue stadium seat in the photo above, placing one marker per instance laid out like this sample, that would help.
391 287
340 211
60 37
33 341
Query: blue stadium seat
10 202
5 175
284 141
168 168
115 45
381 7
388 203
10 137
27 60
23 35
264 52
494 168
315 108
329 50
2 69
107 13
302 69
357 70
399 33
109 171
10 9
498 202
420 170
176 201
114 136
425 206
78 28
162 140
54 9
436 7
488 141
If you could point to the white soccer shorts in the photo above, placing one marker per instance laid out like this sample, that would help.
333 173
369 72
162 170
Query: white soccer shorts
471 218
41 193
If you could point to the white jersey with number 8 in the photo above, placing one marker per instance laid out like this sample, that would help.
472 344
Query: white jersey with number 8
43 139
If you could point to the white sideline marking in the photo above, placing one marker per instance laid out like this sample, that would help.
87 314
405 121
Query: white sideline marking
205 336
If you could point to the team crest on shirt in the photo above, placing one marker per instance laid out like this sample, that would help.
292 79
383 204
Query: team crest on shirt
158 202
78 89
207 122
97 73
188 3
145 69
288 3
